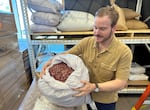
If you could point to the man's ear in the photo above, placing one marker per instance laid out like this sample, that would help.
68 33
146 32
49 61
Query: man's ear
114 28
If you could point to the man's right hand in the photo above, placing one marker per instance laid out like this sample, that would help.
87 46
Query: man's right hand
48 63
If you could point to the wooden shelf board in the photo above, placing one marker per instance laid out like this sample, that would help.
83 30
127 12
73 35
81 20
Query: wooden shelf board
138 83
89 32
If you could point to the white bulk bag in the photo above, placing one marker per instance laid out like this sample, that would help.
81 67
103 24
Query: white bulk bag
43 28
43 18
50 6
76 21
61 93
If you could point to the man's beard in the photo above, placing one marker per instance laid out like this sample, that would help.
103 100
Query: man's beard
105 38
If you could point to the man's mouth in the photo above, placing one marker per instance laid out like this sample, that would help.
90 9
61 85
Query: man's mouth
98 36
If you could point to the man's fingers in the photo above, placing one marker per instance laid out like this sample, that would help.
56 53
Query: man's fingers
79 94
39 75
84 82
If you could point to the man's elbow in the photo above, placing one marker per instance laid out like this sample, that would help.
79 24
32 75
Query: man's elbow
123 84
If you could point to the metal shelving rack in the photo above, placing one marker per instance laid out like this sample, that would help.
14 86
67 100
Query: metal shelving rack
133 39
27 31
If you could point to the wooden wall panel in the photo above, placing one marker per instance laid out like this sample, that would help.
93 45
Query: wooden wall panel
13 78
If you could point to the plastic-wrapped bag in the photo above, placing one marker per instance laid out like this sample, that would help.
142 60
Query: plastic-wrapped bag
49 6
61 93
48 19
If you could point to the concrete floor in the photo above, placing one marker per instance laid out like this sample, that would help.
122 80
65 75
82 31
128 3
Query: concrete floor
127 101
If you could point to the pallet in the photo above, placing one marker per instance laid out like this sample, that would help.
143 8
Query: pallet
135 87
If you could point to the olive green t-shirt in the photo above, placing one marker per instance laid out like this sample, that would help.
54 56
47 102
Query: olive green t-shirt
111 63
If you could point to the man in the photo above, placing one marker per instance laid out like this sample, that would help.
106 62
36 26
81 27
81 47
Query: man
107 59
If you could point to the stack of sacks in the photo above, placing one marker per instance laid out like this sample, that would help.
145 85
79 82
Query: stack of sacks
127 18
45 16
137 72
131 19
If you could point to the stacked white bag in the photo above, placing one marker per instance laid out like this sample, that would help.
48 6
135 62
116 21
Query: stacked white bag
73 20
45 16
137 72
61 93
49 16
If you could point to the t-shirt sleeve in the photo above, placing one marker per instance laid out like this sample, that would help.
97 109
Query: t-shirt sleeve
124 65
78 49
